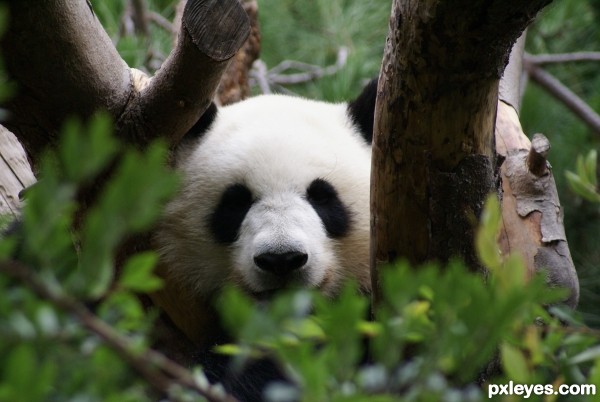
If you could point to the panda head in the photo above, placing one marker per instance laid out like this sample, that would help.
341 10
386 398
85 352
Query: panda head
275 194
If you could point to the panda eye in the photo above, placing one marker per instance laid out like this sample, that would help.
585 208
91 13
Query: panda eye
320 192
226 220
323 197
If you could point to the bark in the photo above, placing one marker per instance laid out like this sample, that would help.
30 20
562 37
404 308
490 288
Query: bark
234 85
15 173
531 213
433 148
67 65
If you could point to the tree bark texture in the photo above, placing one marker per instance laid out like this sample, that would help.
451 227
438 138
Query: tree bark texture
65 64
234 85
532 218
433 149
15 173
531 213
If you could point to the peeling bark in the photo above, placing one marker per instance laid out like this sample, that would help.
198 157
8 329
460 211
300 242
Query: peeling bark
531 212
532 220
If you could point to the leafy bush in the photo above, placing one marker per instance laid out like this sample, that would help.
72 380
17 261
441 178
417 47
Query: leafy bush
435 333
52 345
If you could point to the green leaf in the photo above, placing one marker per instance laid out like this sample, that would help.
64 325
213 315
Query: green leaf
594 377
131 202
514 363
138 274
590 167
20 370
581 187
487 234
592 353
84 152
229 349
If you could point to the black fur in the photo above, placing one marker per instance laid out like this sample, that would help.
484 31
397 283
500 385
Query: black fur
362 109
247 383
225 222
203 124
324 199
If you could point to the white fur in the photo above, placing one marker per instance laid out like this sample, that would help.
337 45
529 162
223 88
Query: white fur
275 145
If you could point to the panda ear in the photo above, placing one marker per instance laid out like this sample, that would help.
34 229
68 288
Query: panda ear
203 124
362 109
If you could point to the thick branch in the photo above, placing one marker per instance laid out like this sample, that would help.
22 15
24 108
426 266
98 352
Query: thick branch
235 85
532 218
67 65
64 64
434 122
168 106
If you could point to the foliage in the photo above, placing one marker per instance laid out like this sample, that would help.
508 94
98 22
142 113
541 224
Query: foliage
585 182
47 352
312 32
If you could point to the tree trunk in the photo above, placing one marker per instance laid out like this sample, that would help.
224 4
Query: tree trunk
433 149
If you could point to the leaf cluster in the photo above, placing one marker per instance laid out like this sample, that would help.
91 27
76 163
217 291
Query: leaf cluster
584 181
47 352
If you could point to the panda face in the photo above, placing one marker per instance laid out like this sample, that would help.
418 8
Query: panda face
275 195
281 239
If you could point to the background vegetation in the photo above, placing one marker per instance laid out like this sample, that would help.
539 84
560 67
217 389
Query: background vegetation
52 350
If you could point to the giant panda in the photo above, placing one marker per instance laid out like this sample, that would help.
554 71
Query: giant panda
274 194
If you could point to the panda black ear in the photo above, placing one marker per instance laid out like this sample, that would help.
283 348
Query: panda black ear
203 124
362 109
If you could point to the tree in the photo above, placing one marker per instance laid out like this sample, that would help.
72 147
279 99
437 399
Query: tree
437 167
433 153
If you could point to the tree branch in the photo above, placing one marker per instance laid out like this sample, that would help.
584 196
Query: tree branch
84 73
265 79
235 83
159 371
541 59
563 94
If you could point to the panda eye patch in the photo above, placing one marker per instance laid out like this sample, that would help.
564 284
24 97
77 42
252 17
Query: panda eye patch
323 197
229 214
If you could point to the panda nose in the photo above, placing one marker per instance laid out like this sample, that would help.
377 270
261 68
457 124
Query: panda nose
281 263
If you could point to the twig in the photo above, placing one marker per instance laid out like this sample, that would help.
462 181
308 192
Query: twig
312 72
277 77
158 370
139 16
260 74
563 94
541 59
161 22
134 19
